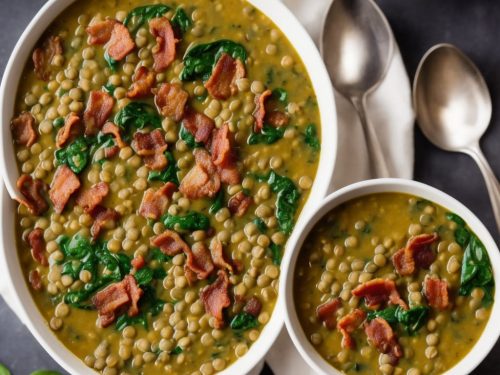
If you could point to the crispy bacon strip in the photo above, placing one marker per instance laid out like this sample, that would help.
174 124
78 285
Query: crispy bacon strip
42 57
64 184
35 280
99 107
102 217
23 129
199 125
110 128
170 243
37 244
151 147
215 297
166 42
348 324
260 110
224 156
222 82
72 128
416 254
138 262
31 189
200 261
117 297
239 203
142 83
436 292
111 152
277 119
202 180
155 202
218 256
381 335
326 312
90 198
170 100
120 43
379 291
100 32
253 306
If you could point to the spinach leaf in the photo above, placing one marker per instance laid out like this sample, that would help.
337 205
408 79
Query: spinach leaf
138 16
411 320
218 203
137 115
4 370
169 174
200 59
78 247
109 88
243 321
112 63
159 256
188 138
268 135
181 21
125 320
259 223
286 200
281 95
276 253
388 314
311 137
176 350
75 155
58 122
191 221
149 302
144 276
454 217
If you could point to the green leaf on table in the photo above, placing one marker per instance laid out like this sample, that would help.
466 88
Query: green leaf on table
45 372
4 370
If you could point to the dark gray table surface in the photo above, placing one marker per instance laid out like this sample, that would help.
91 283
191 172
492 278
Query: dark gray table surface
471 25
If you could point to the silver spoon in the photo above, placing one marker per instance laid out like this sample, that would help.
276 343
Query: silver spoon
453 107
357 45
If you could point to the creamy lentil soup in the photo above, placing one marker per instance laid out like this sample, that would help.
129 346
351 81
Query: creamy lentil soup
165 152
393 284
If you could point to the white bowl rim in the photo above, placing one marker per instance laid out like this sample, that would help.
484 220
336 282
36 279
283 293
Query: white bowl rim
18 292
387 185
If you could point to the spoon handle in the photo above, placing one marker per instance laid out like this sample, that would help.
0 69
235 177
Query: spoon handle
490 179
378 164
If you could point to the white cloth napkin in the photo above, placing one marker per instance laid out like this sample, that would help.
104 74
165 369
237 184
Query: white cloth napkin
390 110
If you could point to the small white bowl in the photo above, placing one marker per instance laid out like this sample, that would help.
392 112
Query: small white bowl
386 185
13 286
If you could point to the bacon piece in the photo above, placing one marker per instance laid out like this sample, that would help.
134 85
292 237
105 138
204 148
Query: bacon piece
381 335
200 261
23 129
155 202
326 312
110 128
64 183
199 125
72 128
416 254
190 275
222 82
348 324
202 180
99 107
215 297
89 199
102 217
239 203
223 155
378 291
120 43
253 306
111 151
260 110
151 146
218 256
170 100
143 82
116 298
170 243
100 32
37 244
166 42
138 262
31 189
42 57
436 292
277 118
35 280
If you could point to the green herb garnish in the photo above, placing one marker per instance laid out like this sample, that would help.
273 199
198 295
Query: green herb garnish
243 321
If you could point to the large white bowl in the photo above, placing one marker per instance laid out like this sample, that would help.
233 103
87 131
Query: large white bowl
306 349
13 285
